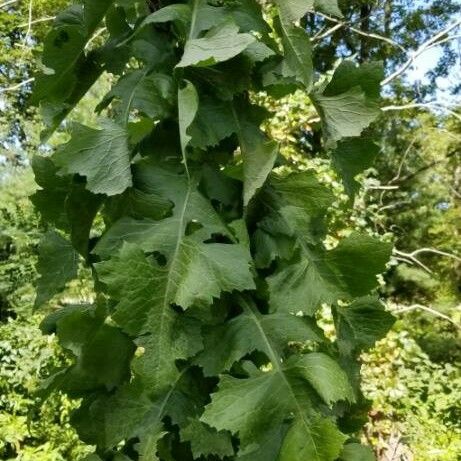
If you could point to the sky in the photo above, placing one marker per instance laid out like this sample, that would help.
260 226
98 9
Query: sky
428 60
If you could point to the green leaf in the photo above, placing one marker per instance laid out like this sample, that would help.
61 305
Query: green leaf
187 107
150 94
357 452
317 276
361 324
189 207
195 274
69 72
65 203
213 123
103 353
206 441
251 331
258 151
323 442
220 44
82 207
352 157
132 413
296 205
350 102
325 376
245 406
205 16
102 156
301 203
57 265
294 10
328 7
180 14
298 53
51 198
144 310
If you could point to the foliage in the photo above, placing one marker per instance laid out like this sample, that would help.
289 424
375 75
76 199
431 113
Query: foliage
414 397
20 233
32 427
211 265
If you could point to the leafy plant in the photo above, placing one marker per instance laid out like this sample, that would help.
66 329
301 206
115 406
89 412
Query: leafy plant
207 251
414 397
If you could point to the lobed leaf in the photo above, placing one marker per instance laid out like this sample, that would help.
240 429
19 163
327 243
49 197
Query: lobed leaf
101 156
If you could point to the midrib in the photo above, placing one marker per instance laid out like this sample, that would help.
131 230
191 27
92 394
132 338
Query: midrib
276 364
166 295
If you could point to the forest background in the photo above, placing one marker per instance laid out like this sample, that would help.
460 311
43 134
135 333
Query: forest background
411 196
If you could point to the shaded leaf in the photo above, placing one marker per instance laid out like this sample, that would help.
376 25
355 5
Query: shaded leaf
350 102
352 157
101 156
357 452
360 325
206 441
258 151
57 265
320 276
150 94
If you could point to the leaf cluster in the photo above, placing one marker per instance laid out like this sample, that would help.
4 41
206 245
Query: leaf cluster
208 255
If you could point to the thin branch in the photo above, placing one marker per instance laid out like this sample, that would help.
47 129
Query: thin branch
8 3
445 40
37 21
399 258
412 258
329 32
29 23
382 187
431 105
378 37
404 157
17 86
427 167
455 192
437 252
440 36
426 309
340 24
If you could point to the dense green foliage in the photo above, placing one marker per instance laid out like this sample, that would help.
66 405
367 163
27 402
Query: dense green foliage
418 397
30 429
211 265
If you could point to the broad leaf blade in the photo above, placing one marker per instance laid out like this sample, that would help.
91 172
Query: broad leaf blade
220 44
57 265
101 156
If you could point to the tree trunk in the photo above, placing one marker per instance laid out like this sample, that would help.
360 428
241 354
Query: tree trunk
365 11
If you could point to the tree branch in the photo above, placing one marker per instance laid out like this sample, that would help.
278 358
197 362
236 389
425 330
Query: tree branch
433 41
36 21
410 257
437 252
414 307
17 86
340 24
426 167
8 3
431 105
